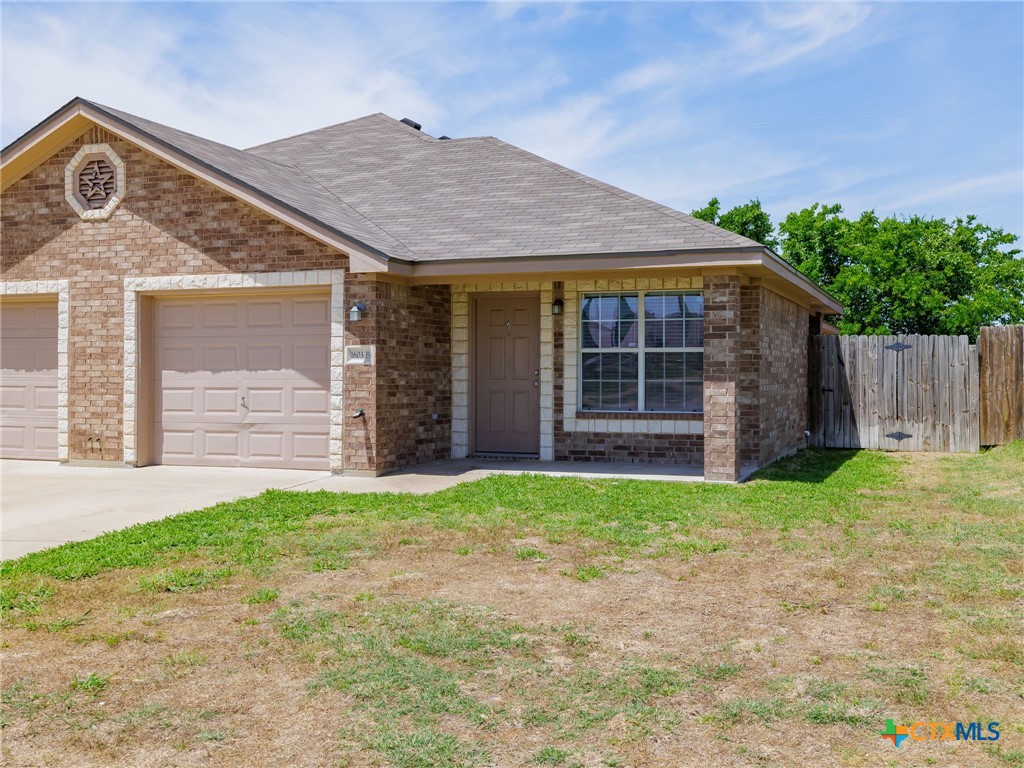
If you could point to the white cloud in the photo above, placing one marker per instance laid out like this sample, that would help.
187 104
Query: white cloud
987 185
253 73
777 35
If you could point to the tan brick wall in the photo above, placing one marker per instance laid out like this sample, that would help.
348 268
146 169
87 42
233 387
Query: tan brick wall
407 395
168 223
783 376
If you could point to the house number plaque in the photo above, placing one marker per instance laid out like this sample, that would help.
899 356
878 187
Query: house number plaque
361 355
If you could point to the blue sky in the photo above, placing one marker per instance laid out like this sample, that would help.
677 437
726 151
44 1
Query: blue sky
908 108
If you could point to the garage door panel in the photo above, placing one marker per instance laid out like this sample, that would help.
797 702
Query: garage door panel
311 313
13 397
28 372
222 358
45 439
270 353
309 445
269 400
267 357
267 444
223 443
177 316
310 357
266 314
44 399
313 401
221 401
219 314
177 401
12 437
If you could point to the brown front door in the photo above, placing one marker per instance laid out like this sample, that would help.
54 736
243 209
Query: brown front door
508 375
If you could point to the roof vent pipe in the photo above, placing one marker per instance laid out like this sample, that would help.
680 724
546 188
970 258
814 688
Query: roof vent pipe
411 123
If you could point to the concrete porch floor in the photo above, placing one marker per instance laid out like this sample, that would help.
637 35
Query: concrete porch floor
45 504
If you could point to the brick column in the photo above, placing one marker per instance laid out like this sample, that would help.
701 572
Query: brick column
722 378
359 435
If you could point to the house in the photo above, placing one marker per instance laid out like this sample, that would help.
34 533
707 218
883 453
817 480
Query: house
366 297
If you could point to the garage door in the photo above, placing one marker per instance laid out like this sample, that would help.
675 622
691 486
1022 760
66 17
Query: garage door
28 380
242 382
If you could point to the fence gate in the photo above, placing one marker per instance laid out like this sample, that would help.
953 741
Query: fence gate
896 393
1001 353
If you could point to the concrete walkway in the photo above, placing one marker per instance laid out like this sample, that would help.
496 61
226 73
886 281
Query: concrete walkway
45 504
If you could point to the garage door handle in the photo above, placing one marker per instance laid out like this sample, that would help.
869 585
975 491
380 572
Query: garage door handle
243 403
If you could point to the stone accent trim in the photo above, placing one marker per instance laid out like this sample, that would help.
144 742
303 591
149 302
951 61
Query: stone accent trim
461 354
58 288
134 286
85 152
626 423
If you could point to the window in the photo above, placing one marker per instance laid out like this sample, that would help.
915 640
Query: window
642 352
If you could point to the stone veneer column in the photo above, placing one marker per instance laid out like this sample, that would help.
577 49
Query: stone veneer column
721 378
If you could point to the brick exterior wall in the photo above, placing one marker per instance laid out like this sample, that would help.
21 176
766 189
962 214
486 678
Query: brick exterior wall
168 223
783 376
750 375
722 296
407 395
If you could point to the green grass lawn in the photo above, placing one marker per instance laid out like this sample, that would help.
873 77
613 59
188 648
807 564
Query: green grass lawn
529 620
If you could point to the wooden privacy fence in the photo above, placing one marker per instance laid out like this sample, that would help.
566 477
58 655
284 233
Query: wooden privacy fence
1001 350
895 393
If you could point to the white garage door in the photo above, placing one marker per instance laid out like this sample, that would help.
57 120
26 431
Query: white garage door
28 380
242 382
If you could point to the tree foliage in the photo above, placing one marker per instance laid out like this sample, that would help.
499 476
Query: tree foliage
749 220
908 275
895 275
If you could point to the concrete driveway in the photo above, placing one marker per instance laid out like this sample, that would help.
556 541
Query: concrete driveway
45 503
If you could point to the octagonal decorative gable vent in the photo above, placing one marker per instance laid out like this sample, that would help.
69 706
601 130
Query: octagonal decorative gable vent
94 182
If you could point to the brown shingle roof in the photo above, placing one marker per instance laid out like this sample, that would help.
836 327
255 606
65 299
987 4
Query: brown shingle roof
482 197
380 184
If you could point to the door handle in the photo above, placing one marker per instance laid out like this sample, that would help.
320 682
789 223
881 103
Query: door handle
536 383
243 403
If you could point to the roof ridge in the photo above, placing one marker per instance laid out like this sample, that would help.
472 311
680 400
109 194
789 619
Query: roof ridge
625 194
314 130
386 119
394 123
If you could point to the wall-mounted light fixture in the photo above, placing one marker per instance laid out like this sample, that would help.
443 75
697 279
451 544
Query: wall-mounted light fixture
557 306
355 314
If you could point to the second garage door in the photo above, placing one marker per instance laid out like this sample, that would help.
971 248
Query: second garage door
28 380
242 382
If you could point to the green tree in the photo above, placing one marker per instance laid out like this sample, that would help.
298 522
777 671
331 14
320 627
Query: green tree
749 220
908 275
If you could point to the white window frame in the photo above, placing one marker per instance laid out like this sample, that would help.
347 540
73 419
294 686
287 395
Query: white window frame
640 350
